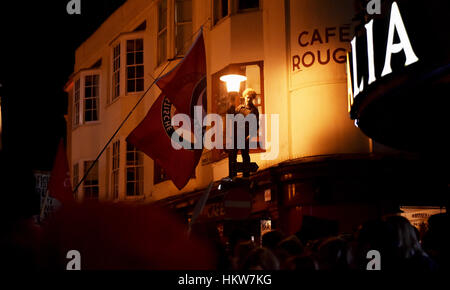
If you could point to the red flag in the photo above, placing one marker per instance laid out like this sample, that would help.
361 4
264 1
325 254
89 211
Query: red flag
153 137
59 186
185 85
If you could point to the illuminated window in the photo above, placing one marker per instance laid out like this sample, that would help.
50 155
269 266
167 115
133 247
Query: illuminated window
116 72
162 31
222 101
91 96
134 171
90 184
135 65
115 169
76 103
183 27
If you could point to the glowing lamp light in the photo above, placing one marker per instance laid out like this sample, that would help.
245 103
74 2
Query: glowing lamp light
233 82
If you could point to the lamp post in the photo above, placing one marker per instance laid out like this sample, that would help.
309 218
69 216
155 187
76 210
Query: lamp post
233 82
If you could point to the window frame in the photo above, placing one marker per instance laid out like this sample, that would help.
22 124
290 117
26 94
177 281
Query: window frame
159 32
170 31
122 40
186 45
135 66
236 3
222 18
84 186
138 165
76 103
220 154
119 71
96 98
81 78
233 8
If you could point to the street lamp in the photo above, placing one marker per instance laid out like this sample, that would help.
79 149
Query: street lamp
233 82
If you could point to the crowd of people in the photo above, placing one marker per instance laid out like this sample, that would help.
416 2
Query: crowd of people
143 237
399 244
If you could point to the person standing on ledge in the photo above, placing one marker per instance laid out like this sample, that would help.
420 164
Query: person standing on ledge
246 109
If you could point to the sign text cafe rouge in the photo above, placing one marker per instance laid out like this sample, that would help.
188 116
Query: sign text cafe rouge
315 37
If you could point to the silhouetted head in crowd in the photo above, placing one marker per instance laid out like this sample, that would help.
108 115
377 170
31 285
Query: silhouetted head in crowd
408 251
287 248
261 259
405 236
238 235
271 239
375 235
314 228
302 263
334 254
241 251
436 240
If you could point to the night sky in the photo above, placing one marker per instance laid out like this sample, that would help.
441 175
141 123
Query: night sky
38 42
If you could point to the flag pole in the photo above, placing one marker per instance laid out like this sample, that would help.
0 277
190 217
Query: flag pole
200 205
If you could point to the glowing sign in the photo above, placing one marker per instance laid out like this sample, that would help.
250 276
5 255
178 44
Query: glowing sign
396 26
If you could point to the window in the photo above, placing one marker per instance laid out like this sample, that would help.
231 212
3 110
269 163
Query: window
183 27
127 57
141 26
75 176
221 100
115 169
220 9
91 95
134 171
162 31
135 65
90 185
116 72
76 103
86 97
247 4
